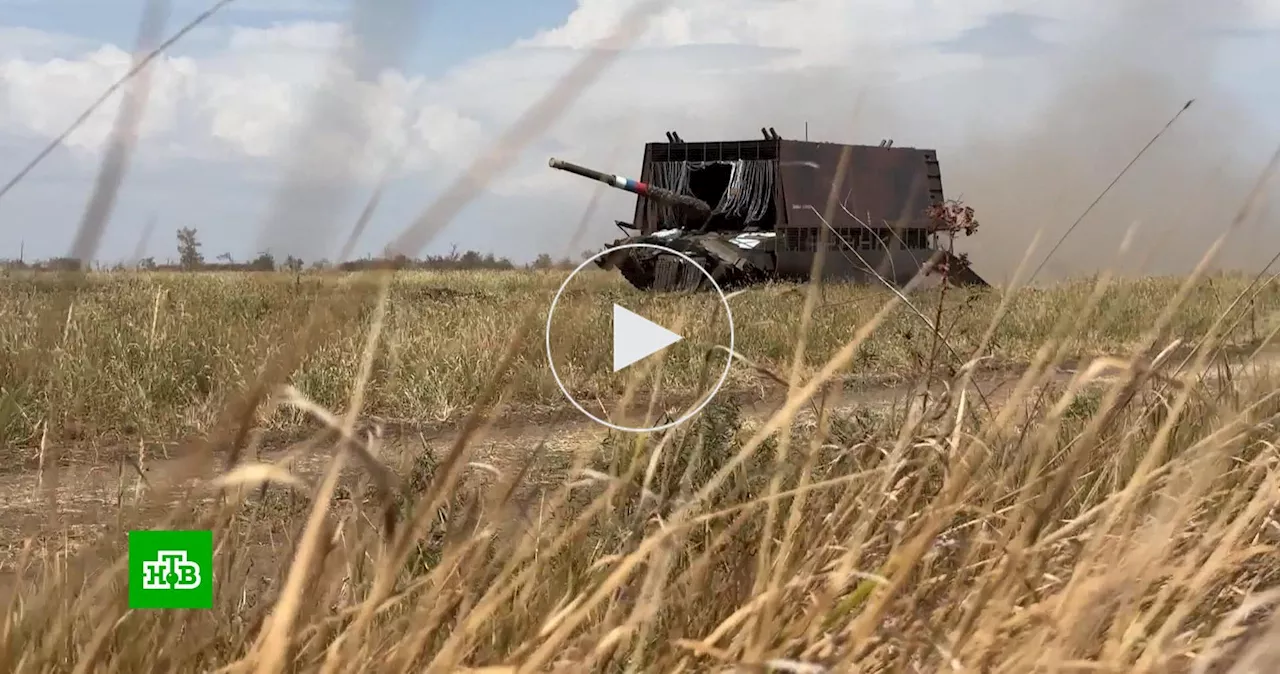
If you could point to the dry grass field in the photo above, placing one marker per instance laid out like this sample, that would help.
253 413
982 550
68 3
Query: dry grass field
1080 478
157 355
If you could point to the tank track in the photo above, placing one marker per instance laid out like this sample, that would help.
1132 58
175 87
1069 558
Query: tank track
672 274
662 272
655 270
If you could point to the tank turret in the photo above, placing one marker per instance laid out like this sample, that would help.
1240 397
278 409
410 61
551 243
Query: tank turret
634 186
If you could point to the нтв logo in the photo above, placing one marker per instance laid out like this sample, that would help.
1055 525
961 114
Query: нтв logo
171 569
171 572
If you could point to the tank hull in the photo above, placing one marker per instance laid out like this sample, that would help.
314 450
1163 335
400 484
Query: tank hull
733 259
760 210
740 259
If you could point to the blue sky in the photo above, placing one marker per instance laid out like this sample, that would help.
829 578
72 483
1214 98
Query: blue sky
451 30
1032 104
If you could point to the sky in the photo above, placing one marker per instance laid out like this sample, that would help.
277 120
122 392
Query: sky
269 127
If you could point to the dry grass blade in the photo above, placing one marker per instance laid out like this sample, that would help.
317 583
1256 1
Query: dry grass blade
255 474
1101 195
370 207
768 574
106 95
275 644
273 649
382 476
123 138
529 126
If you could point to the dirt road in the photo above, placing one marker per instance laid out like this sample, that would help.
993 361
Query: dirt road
89 496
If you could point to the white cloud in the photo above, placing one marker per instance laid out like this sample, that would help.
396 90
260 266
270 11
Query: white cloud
856 71
1264 13
43 96
245 97
244 100
815 27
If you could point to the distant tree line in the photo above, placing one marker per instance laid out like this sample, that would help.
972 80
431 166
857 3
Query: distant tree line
190 258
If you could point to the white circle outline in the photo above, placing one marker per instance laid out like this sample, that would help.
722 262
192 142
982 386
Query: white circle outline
688 415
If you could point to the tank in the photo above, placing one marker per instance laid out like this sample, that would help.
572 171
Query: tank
753 211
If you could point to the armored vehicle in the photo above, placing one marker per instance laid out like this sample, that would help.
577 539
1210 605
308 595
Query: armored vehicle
752 211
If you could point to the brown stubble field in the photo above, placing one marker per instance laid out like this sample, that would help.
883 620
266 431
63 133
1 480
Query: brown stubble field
1080 491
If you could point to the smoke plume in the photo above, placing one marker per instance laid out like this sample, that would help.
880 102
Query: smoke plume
1115 88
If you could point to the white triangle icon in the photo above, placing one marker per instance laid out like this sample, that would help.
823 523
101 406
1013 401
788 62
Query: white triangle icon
636 337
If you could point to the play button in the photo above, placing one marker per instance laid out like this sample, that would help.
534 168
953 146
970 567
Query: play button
636 360
636 337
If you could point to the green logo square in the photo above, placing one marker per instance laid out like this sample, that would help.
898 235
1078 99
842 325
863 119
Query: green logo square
171 569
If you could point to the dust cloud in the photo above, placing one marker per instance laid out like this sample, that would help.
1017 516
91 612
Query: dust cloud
1117 87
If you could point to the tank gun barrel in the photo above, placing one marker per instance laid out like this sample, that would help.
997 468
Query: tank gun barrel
634 186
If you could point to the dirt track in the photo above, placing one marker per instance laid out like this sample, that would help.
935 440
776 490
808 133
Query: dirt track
89 495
